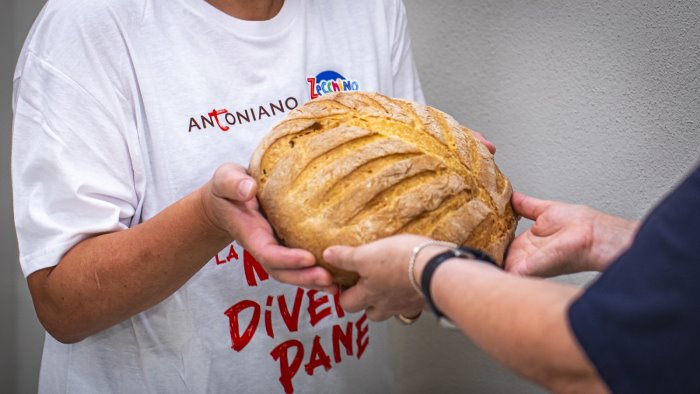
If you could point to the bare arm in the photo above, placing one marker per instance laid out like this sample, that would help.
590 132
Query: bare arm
108 278
522 322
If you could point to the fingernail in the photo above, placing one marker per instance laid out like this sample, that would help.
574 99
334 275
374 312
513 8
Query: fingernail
328 254
245 187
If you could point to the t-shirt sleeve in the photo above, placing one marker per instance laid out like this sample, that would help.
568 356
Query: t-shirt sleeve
75 152
406 81
639 321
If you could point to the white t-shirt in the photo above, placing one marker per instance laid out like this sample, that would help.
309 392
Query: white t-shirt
123 107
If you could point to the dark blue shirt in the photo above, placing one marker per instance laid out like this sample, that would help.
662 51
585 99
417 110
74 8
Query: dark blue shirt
639 322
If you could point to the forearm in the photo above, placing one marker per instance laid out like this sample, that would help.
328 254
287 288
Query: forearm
108 278
612 235
522 322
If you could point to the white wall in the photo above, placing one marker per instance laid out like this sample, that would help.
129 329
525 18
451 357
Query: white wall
21 336
8 250
593 102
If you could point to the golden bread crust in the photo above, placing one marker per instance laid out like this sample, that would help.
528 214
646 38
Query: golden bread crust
352 167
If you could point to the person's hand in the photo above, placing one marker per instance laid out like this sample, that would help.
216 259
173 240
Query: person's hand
230 205
488 144
384 289
565 238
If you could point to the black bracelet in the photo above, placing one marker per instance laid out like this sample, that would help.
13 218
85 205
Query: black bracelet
434 263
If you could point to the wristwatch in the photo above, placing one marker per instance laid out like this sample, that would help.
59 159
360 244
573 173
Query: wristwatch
432 265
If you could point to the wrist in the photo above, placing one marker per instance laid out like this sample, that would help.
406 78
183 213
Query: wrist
206 201
423 257
466 254
611 236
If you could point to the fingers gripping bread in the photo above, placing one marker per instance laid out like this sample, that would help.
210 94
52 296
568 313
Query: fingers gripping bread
351 167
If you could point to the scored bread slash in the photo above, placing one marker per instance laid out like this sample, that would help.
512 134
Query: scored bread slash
352 167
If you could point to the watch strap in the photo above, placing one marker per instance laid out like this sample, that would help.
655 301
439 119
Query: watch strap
436 261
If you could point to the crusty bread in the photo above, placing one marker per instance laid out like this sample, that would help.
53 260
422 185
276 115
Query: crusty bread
351 167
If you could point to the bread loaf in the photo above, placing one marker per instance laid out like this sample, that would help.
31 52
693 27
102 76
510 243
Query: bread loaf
352 167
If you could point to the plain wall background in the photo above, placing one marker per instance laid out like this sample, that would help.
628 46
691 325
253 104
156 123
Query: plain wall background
21 336
592 102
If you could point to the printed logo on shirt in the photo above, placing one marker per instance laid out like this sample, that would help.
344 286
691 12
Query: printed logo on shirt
330 81
250 320
223 119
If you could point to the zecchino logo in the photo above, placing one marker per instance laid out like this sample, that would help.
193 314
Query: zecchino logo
328 82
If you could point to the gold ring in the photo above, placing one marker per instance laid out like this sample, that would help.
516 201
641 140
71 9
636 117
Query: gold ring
406 320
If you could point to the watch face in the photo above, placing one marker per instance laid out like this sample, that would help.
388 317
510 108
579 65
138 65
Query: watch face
469 253
461 252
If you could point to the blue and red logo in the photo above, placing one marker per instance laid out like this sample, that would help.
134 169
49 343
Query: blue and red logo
328 82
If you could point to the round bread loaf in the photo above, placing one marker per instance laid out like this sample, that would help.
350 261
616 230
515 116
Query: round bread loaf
352 167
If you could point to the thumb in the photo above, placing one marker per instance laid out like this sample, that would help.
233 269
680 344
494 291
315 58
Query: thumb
341 257
529 207
232 182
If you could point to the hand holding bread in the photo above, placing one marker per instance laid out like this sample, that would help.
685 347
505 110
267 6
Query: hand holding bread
352 167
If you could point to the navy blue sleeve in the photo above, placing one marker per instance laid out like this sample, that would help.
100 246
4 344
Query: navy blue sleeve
639 322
